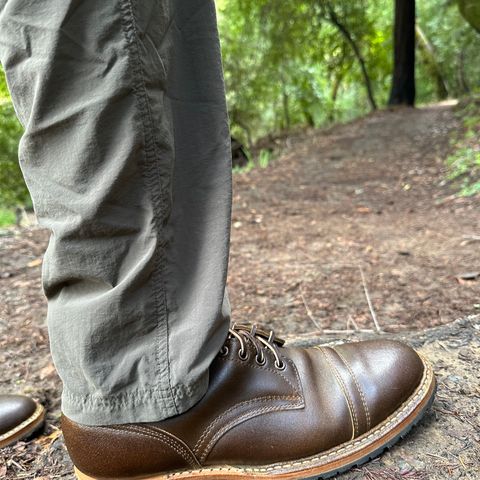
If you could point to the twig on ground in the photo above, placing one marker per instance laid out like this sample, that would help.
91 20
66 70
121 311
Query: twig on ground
348 332
309 312
369 301
320 333
472 238
437 456
351 320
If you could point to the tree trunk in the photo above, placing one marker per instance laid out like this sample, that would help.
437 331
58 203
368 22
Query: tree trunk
336 87
403 82
286 107
306 113
462 78
428 54
332 17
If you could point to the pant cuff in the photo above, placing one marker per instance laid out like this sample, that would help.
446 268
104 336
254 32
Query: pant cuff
133 407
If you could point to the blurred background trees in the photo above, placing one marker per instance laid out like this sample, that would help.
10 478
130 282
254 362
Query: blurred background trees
13 192
314 62
309 63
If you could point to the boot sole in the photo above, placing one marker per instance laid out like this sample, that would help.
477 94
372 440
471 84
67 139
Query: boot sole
329 463
25 429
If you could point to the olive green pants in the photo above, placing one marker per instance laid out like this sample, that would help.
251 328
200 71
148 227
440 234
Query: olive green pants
126 153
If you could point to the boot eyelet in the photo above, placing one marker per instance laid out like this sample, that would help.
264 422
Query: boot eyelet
223 351
261 361
243 355
280 365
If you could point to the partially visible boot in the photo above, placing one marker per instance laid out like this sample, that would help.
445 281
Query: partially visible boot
270 413
20 417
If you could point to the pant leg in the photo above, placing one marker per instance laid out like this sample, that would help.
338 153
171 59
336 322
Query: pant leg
126 153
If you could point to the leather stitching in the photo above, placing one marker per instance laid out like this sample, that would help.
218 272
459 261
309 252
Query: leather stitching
170 439
378 431
239 420
348 399
275 371
426 382
238 405
357 384
163 438
297 396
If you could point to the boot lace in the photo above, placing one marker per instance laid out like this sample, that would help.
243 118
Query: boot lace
262 339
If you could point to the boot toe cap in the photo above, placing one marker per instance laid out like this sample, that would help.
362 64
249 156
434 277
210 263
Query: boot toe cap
388 373
14 410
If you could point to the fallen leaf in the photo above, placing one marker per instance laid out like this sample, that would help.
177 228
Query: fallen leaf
46 440
363 210
34 263
47 371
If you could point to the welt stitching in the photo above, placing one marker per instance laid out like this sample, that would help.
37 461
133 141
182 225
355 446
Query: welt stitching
383 426
35 416
351 407
152 183
238 405
360 390
408 405
238 420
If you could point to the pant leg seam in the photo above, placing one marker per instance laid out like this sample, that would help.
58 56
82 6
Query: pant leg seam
151 154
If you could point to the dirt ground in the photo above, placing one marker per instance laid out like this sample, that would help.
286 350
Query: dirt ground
355 213
368 196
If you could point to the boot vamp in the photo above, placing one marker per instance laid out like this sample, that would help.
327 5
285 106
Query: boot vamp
323 397
283 434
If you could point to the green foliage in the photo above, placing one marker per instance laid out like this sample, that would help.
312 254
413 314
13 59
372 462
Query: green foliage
3 86
13 191
455 46
264 157
7 217
464 163
470 10
287 64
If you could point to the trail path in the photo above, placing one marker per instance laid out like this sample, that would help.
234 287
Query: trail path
360 210
367 196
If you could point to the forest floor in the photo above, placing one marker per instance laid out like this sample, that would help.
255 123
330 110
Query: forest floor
356 213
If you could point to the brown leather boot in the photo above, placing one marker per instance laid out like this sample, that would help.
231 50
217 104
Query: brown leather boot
20 416
270 413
